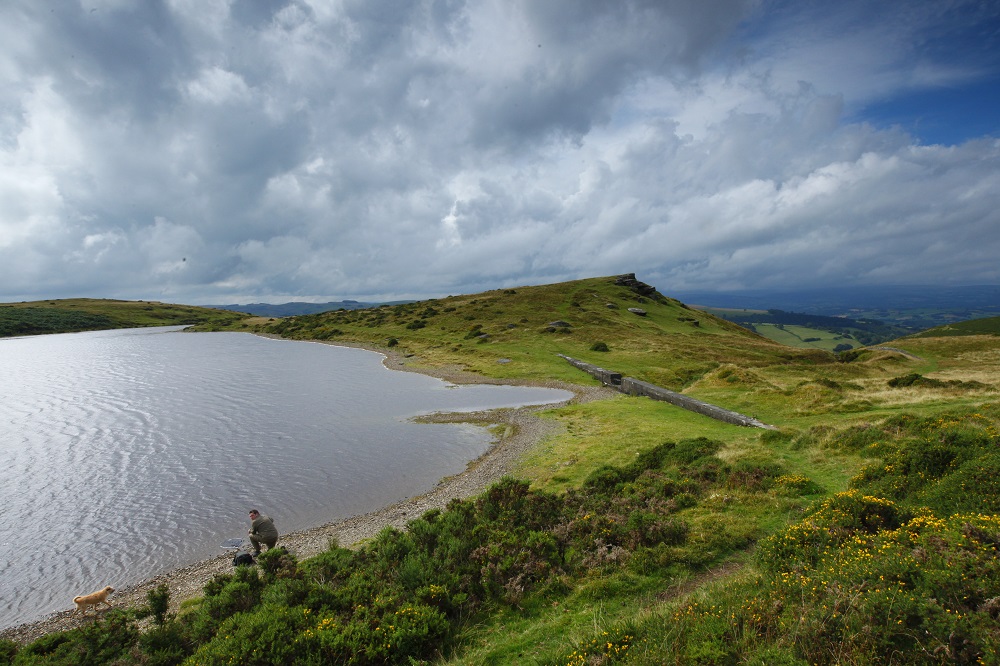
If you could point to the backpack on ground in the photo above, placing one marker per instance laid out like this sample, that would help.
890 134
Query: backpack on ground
243 560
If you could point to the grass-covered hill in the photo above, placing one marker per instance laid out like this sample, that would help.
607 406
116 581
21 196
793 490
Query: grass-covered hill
987 326
91 314
865 529
296 308
519 332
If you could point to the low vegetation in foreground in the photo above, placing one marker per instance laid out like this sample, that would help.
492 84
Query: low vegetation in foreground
91 314
863 530
902 567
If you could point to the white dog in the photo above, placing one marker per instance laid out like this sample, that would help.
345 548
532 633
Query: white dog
92 599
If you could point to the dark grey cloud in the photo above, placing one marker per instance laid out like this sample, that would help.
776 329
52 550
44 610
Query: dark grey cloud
255 150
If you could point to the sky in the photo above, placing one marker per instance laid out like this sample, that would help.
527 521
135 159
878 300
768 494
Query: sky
245 151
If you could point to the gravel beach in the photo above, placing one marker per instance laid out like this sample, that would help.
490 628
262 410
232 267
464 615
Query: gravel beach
523 430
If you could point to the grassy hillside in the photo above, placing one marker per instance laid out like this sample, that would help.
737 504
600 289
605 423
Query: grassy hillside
91 314
518 332
988 326
864 530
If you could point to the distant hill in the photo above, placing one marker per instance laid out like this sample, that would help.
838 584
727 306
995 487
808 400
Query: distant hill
988 326
650 336
70 315
296 308
913 308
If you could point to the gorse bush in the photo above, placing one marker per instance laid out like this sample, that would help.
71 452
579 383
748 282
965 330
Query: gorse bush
864 578
946 463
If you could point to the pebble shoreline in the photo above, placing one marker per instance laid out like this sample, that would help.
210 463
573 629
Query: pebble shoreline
523 429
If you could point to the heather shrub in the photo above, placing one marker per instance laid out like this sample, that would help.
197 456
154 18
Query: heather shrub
752 474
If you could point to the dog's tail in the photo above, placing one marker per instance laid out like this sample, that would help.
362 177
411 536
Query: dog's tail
76 599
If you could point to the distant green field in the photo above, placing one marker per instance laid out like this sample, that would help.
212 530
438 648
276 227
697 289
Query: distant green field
801 336
93 314
798 329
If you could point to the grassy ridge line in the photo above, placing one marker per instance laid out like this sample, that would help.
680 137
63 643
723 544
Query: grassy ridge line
91 314
517 333
987 326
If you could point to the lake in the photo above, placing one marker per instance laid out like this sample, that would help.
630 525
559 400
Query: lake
127 453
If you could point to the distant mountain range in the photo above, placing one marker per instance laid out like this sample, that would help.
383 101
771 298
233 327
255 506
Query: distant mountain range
299 308
912 307
833 301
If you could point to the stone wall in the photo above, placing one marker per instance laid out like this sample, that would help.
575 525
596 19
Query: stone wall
632 386
607 377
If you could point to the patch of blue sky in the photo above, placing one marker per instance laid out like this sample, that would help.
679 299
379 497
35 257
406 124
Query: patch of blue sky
948 115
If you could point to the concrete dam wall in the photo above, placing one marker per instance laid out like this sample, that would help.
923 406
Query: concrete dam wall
632 386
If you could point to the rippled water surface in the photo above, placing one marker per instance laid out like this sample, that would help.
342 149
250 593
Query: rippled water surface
127 453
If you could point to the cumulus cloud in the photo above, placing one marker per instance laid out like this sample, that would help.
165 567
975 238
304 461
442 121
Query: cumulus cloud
236 151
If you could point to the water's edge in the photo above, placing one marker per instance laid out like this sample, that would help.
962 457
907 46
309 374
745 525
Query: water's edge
524 429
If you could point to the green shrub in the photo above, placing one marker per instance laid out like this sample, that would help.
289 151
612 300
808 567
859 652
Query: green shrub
912 379
265 636
687 451
286 592
973 486
102 641
605 479
332 566
165 644
599 347
375 635
159 603
8 650
278 563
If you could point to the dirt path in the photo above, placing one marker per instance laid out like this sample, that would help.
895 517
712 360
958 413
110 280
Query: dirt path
524 430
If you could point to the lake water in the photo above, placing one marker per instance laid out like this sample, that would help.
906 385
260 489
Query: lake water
127 453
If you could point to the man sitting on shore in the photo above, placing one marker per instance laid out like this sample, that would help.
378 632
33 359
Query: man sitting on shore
262 531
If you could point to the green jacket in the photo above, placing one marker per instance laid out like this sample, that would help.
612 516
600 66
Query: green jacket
263 527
